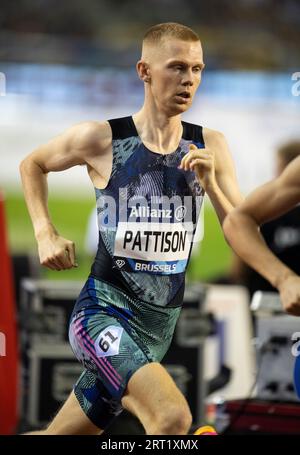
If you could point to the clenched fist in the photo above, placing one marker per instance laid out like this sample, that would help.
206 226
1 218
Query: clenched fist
202 162
56 252
290 295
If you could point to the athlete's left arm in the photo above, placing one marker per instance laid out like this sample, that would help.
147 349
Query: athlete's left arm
224 167
215 172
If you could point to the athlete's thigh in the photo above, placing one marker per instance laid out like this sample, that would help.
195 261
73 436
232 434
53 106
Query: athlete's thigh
71 420
110 357
151 391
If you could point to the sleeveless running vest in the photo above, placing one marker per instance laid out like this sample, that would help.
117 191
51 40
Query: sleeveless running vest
147 217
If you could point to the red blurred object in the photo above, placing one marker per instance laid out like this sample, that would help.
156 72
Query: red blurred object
262 417
9 359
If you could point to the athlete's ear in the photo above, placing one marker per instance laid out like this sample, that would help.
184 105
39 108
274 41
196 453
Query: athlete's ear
143 70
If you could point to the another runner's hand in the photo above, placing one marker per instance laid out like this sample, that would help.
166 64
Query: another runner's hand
202 162
56 252
290 295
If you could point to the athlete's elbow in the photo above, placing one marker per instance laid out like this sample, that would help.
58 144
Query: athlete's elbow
29 166
23 166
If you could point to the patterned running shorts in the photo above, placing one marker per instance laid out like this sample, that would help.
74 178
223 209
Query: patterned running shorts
113 335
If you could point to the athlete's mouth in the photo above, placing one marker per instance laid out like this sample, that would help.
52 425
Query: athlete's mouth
185 95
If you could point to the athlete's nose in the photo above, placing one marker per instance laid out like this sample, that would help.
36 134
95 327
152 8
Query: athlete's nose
187 79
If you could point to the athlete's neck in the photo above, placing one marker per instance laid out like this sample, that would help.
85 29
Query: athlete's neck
157 131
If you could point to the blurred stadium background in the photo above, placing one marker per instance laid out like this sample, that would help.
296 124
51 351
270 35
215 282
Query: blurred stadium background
66 62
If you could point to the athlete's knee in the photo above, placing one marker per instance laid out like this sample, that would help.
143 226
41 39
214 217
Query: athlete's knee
172 419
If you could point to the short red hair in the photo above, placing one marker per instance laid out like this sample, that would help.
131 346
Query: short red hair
155 34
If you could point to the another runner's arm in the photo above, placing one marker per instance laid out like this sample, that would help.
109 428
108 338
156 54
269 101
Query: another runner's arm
241 227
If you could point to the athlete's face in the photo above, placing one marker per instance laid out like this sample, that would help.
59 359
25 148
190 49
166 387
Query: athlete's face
174 73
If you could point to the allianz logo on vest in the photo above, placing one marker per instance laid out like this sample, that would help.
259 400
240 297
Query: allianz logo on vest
148 212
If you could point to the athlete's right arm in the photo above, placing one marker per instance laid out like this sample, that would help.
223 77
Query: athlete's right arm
241 229
78 145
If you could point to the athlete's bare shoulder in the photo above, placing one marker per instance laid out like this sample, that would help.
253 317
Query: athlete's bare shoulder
225 173
216 142
213 138
91 137
79 144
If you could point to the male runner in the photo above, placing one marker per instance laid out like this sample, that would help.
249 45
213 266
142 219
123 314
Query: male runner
150 172
241 229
